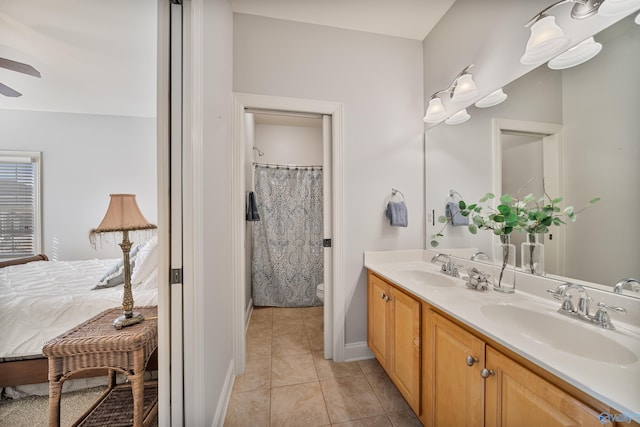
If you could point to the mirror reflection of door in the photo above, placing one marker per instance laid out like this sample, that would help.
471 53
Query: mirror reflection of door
530 164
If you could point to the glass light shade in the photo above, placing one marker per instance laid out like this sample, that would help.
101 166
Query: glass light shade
494 98
637 20
465 88
582 52
547 40
435 111
618 7
459 117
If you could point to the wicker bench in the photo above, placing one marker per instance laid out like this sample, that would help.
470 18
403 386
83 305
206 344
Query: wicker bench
96 344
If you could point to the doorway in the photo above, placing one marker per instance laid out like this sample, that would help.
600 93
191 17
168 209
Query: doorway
528 158
332 156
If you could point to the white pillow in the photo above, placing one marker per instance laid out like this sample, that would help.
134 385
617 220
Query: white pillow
146 261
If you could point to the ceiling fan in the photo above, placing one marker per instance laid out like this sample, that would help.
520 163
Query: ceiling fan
20 68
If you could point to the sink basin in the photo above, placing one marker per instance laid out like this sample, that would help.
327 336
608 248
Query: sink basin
426 277
561 333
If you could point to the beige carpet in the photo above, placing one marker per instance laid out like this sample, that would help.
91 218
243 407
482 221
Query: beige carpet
32 410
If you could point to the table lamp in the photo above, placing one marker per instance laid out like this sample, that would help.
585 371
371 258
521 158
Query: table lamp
123 216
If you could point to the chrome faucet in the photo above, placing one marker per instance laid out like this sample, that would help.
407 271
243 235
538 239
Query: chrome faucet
628 282
479 256
600 318
448 267
567 305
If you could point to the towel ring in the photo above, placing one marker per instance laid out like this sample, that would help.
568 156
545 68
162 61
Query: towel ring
395 192
453 194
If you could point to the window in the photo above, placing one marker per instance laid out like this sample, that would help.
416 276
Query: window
19 204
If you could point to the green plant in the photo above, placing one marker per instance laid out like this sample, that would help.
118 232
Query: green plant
530 215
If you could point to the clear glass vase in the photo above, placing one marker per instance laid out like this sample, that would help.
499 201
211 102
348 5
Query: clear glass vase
532 255
504 265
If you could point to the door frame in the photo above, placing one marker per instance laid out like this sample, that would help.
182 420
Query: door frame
334 298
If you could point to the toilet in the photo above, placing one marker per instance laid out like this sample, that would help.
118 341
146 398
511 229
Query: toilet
320 292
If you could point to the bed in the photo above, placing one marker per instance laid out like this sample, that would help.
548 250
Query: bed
41 299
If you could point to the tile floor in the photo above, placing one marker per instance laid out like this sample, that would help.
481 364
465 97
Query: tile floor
288 382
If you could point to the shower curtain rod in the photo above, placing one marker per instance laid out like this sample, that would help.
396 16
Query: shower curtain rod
283 166
283 113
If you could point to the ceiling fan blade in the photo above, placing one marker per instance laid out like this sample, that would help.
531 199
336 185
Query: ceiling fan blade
19 67
7 91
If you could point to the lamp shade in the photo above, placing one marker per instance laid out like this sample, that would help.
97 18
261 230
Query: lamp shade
582 52
465 88
618 7
494 98
547 40
459 117
435 111
123 214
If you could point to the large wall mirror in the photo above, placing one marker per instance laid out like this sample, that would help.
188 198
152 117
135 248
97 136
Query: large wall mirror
585 119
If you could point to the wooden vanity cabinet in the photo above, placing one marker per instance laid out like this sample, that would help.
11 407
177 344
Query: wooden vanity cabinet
393 335
453 389
515 396
460 377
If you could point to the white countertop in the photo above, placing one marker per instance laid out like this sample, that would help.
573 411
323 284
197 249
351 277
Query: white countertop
614 384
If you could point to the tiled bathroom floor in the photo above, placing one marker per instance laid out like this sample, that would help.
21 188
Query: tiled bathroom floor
288 382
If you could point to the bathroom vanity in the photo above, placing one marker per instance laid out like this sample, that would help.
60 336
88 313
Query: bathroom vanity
464 357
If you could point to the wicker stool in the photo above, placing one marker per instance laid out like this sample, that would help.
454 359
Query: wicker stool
96 344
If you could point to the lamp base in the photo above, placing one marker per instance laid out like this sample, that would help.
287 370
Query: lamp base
123 321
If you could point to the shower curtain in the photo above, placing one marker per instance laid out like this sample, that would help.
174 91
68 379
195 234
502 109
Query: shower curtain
287 260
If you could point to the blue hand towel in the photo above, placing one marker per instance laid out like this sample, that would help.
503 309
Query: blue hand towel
452 210
397 214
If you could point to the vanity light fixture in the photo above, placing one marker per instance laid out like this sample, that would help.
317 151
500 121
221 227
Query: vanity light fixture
459 117
463 88
547 40
435 111
637 20
618 7
494 98
582 52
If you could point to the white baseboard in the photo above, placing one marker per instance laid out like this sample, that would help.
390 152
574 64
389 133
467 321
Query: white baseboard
225 396
357 351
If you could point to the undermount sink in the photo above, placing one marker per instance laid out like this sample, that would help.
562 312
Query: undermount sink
426 277
561 334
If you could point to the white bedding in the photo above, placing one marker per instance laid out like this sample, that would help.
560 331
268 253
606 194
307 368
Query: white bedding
40 300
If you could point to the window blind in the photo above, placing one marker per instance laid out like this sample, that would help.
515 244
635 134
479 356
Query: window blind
18 180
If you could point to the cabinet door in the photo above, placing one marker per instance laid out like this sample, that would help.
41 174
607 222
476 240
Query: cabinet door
454 393
377 333
518 397
404 357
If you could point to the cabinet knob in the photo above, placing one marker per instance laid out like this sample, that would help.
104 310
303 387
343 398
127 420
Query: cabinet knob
471 360
486 373
383 296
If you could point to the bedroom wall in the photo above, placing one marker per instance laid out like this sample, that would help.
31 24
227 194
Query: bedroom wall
379 81
85 157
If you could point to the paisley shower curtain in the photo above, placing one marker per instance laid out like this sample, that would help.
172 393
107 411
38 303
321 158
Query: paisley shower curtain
287 260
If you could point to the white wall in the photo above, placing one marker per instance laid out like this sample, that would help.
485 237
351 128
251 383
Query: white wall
216 347
379 81
289 145
85 158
